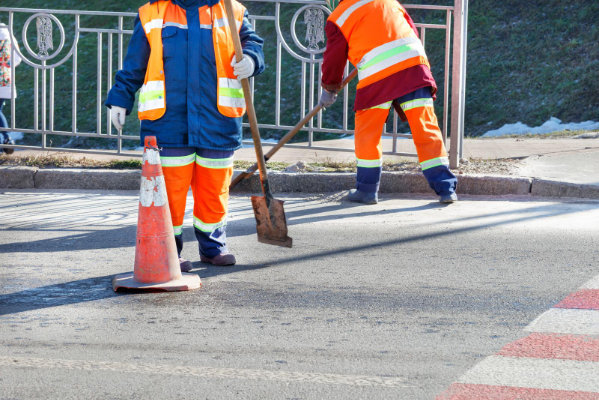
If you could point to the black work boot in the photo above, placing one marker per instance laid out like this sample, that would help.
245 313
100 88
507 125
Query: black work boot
7 140
221 259
363 197
185 265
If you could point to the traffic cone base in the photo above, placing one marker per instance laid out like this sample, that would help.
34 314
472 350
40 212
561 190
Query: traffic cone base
128 281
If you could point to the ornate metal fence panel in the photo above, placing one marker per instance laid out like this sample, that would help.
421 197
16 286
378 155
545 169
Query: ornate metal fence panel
60 92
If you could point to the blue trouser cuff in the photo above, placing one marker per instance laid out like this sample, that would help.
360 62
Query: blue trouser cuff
368 187
368 179
441 179
211 243
179 243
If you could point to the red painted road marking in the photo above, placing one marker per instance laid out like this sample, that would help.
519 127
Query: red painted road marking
566 347
461 391
587 299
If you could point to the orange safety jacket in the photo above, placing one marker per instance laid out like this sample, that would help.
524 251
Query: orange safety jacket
152 96
381 42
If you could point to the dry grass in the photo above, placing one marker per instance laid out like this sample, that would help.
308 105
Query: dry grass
471 166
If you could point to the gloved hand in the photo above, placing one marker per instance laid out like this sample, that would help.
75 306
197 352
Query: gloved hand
117 116
327 98
244 68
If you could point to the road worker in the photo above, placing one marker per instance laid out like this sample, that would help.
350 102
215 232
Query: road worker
181 55
380 39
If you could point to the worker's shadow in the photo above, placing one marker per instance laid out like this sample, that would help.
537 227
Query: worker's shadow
242 226
90 240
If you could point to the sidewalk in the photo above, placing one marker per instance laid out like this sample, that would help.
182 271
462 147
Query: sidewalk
557 167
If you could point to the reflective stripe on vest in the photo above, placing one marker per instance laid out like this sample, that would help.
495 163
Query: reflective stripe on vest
152 98
343 17
389 54
175 24
214 163
152 24
152 95
434 162
369 163
230 101
178 230
230 93
206 227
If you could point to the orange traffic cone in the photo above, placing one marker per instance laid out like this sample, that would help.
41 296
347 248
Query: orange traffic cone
156 260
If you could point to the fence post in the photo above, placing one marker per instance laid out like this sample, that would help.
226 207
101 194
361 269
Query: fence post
458 81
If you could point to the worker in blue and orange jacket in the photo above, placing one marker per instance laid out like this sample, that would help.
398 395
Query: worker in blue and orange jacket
181 56
379 38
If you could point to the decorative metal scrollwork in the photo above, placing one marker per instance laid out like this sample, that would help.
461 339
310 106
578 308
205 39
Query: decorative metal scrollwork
44 35
312 43
314 19
45 40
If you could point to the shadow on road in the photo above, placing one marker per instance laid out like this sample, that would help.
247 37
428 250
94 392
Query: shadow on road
60 294
97 288
93 240
529 214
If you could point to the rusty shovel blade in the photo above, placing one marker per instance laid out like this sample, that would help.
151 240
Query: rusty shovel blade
271 224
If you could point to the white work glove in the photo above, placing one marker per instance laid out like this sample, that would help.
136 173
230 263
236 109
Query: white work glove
244 68
117 116
327 98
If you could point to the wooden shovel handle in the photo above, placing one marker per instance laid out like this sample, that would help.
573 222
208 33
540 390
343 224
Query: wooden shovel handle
251 112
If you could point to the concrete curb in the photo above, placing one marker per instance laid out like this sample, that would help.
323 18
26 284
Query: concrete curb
391 182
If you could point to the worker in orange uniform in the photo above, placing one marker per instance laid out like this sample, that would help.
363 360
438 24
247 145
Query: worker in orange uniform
379 38
181 55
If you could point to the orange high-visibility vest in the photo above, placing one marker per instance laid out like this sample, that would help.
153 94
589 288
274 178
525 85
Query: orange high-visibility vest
381 42
152 95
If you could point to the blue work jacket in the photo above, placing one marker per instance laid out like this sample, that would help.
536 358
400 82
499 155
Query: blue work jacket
192 118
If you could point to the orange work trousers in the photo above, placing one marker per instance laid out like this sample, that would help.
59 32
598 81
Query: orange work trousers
208 173
432 155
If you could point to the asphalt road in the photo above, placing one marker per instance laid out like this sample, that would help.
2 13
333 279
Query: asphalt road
392 301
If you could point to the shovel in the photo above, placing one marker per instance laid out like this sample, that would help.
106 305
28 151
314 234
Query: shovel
250 171
270 215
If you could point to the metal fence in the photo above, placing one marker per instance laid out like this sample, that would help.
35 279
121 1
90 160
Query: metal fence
60 98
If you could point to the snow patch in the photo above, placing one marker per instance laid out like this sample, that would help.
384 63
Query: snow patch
552 125
15 135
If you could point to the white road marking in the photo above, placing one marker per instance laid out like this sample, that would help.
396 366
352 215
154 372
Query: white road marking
561 320
535 373
591 284
206 372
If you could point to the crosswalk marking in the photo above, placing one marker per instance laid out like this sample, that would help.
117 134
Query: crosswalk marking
559 360
560 320
537 373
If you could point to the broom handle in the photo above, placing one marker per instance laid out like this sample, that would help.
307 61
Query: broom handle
251 112
250 171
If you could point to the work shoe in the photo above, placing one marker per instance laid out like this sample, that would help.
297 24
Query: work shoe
220 260
6 149
185 265
363 197
448 198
